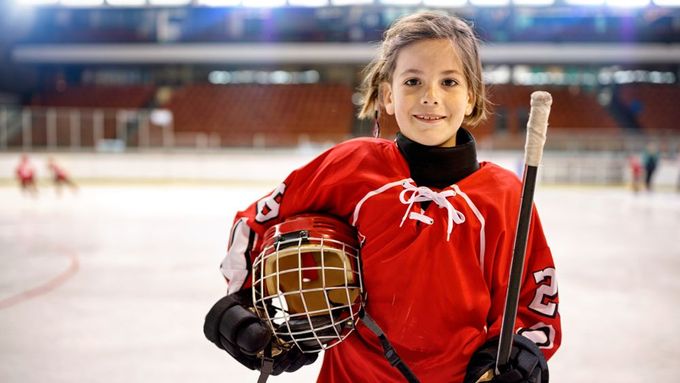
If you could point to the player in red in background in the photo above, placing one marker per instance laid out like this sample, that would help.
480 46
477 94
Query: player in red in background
635 172
436 228
59 176
25 173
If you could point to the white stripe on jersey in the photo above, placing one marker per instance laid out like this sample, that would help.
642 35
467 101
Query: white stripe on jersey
235 264
371 194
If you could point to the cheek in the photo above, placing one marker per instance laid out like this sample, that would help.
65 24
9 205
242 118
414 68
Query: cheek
402 104
399 106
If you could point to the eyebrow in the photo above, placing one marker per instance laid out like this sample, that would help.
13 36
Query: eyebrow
417 71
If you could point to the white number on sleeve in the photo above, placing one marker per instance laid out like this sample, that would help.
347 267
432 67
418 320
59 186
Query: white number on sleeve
545 293
542 334
268 207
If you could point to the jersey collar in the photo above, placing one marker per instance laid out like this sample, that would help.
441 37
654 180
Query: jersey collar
439 167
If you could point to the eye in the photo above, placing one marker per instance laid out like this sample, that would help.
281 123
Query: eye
412 82
449 82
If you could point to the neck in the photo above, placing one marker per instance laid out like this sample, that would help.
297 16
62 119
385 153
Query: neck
439 167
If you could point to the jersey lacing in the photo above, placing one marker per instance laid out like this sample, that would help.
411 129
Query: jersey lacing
422 194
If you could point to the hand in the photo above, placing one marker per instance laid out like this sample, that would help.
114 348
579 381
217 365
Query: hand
526 365
233 327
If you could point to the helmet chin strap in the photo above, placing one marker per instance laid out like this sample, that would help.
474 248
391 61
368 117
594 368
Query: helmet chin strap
390 354
267 364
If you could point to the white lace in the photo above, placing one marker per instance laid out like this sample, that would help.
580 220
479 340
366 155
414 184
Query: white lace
422 194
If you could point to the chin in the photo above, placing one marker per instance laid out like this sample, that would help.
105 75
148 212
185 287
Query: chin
431 141
438 137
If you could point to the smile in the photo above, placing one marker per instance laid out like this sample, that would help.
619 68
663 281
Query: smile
428 117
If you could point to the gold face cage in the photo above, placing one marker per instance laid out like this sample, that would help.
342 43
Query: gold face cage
307 282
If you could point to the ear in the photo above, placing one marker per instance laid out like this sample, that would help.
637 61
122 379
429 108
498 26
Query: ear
470 104
386 95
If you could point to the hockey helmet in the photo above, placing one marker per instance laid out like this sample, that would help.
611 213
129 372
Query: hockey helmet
307 281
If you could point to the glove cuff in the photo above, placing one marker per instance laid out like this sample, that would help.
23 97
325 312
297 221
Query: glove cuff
211 326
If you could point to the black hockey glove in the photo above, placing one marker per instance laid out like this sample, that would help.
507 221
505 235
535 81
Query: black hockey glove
527 363
231 326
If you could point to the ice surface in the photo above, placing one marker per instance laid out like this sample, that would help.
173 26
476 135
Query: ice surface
112 284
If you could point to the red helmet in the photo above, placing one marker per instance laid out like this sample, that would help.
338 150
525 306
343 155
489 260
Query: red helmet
307 281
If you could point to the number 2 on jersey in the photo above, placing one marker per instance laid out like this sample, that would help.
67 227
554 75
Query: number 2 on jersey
543 302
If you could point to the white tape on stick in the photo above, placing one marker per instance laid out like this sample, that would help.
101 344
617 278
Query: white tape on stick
537 127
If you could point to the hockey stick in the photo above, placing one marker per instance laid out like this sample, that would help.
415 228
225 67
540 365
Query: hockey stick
533 151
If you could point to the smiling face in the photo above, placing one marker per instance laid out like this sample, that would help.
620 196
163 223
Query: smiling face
428 94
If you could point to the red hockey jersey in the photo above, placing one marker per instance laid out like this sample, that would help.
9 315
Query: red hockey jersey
435 278
25 171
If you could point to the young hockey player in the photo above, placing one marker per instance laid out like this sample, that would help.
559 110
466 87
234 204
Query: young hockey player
59 176
436 229
25 174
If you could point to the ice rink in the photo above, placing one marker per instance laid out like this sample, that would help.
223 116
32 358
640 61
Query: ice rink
112 284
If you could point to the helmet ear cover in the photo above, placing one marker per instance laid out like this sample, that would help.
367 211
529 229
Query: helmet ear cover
307 281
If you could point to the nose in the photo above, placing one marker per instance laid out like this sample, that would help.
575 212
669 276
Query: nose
430 96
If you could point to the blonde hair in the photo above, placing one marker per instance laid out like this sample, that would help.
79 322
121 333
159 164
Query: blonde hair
417 27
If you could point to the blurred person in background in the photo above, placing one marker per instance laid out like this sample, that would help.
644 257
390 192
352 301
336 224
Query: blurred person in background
435 226
25 174
650 159
60 177
635 167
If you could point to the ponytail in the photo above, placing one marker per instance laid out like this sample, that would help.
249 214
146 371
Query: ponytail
370 88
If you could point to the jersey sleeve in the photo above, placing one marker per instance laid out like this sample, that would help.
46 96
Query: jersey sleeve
538 317
320 186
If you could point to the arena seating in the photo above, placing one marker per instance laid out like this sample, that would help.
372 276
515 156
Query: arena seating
85 104
572 108
654 106
250 115
132 97
264 115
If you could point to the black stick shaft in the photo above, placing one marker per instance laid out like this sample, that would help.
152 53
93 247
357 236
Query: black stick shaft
516 268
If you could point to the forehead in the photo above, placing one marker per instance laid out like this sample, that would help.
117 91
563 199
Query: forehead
436 55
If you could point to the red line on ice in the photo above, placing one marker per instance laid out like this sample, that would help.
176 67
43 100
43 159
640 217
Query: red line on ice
43 288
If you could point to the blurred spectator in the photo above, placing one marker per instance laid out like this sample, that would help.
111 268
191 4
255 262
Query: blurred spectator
650 160
636 107
25 174
59 176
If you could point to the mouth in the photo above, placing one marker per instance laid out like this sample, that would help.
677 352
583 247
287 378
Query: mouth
428 118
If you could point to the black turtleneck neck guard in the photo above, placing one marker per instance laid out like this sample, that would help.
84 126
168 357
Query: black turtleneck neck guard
439 167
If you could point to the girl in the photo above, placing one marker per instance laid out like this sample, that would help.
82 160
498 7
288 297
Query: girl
436 228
